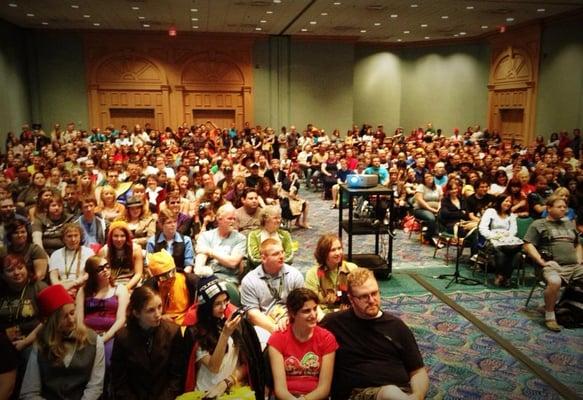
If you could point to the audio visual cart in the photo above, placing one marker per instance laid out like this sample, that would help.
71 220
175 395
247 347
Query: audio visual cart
380 264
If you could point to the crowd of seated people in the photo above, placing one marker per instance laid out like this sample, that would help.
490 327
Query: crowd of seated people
144 231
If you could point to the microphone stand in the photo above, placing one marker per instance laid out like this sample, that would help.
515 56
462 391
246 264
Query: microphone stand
456 277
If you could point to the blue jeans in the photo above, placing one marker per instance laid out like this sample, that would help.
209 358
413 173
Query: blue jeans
428 219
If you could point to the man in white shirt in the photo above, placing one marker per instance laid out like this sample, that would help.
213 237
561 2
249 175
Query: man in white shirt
67 264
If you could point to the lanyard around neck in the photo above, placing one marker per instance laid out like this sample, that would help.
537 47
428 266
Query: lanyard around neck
68 268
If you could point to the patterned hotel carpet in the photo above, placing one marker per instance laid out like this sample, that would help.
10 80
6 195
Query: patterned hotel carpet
464 363
561 355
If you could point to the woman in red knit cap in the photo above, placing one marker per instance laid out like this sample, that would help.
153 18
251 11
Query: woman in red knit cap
67 361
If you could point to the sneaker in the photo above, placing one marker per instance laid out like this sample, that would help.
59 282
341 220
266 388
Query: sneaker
437 243
552 325
474 258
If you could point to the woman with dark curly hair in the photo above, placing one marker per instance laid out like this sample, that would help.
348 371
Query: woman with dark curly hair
19 242
47 229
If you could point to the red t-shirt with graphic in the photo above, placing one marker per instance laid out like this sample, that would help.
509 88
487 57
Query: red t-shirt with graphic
302 361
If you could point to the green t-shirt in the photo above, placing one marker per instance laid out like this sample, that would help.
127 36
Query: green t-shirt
558 238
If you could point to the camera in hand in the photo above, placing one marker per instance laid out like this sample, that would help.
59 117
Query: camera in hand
240 311
546 255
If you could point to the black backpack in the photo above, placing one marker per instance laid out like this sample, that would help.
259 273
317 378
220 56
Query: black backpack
569 310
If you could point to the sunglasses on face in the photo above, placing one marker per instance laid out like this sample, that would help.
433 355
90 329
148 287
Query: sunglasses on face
102 268
166 276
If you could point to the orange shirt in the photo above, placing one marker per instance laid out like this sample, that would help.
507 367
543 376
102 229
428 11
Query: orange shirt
175 299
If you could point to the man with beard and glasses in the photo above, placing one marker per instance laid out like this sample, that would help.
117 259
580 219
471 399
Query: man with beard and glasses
378 356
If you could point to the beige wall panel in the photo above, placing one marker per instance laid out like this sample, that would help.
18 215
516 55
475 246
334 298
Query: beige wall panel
513 83
174 76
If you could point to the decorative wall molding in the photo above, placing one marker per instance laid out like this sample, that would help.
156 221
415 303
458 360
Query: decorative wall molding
172 76
513 82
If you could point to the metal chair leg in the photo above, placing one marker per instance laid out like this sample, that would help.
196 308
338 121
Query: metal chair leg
530 294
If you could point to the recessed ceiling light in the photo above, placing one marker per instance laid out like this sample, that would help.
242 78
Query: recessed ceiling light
363 31
313 22
394 15
141 17
377 24
509 19
427 37
74 6
277 1
194 10
13 5
399 40
194 19
304 30
135 8
30 15
146 25
462 33
324 14
540 9
268 12
86 16
98 24
423 25
469 7
44 23
194 26
456 35
263 21
484 27
444 17
406 32
337 3
258 28
414 6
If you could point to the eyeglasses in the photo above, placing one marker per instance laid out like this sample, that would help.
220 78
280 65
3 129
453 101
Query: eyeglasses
366 296
102 268
166 276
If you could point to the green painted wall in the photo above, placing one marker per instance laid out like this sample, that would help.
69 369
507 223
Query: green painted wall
321 82
334 85
560 95
377 87
14 95
262 97
271 80
444 85
57 78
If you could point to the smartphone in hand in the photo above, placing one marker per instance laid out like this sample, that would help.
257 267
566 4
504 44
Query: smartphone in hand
239 311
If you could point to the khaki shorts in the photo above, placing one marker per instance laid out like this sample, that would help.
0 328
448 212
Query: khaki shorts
567 273
370 393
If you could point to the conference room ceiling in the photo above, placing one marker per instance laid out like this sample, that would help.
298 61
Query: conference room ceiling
357 20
